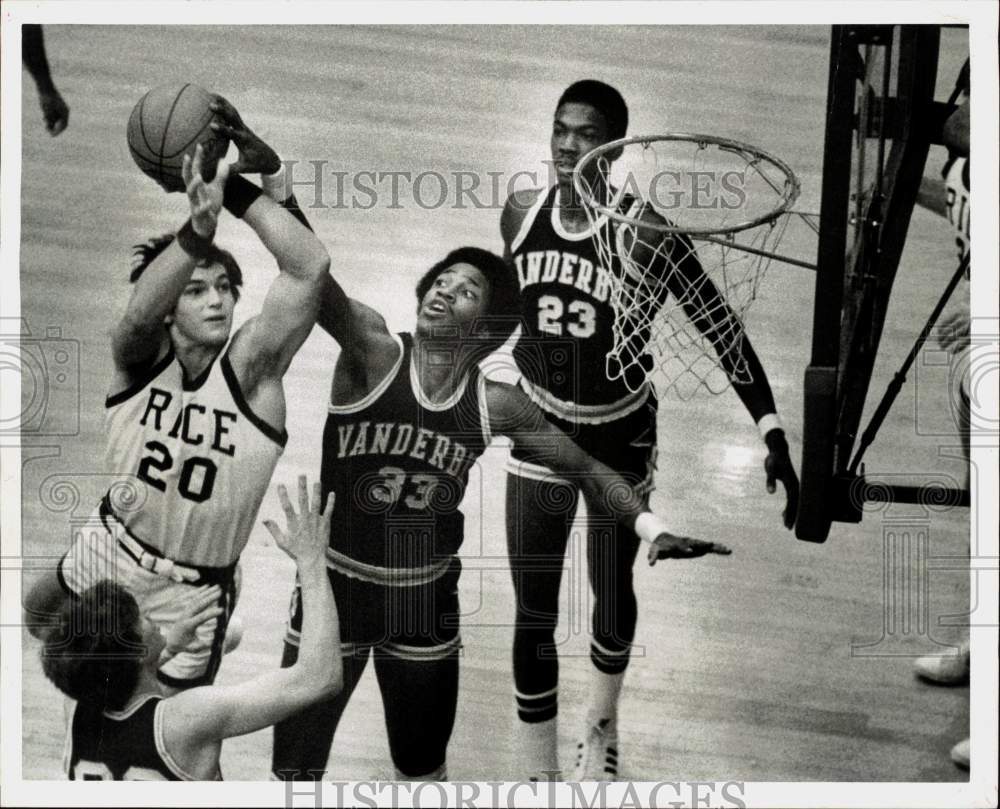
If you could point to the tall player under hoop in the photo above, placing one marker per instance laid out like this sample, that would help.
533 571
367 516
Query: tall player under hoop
674 200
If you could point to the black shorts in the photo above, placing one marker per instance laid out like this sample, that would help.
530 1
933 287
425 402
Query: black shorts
626 445
417 622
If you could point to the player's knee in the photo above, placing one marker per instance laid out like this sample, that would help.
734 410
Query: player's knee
615 628
617 608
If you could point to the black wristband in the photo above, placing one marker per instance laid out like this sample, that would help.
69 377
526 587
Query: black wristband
776 441
239 195
193 244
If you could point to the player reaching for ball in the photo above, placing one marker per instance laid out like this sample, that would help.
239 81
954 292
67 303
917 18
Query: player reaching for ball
104 654
409 414
195 415
573 313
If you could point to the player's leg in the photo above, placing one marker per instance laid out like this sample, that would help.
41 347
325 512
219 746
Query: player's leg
629 446
419 698
539 517
301 744
953 669
417 670
611 552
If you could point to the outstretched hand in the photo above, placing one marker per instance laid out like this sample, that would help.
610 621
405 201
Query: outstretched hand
308 531
256 157
201 607
205 197
669 546
778 466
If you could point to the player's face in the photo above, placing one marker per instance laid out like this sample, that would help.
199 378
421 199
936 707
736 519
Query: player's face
204 311
576 129
458 296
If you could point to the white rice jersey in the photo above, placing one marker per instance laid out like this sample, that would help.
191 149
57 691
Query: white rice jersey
202 461
956 180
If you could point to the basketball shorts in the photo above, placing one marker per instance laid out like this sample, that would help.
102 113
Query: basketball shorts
103 549
415 622
626 445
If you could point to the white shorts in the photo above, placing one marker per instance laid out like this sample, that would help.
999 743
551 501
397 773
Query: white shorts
101 549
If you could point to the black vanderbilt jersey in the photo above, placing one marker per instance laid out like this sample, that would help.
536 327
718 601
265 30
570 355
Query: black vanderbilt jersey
399 465
567 319
122 745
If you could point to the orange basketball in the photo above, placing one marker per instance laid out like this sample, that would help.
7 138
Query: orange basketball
169 122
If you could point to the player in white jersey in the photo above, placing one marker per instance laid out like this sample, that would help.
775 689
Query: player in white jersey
103 654
195 420
950 198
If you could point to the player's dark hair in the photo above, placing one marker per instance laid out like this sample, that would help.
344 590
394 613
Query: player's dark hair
602 97
503 313
94 652
143 255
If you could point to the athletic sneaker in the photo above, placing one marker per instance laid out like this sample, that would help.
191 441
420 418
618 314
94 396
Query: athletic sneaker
950 669
960 754
597 754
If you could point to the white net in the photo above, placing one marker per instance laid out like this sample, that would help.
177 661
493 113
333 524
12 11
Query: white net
693 223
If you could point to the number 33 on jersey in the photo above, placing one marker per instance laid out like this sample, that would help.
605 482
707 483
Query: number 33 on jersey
202 461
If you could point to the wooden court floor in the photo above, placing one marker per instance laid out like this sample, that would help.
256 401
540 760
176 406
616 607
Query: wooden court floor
785 661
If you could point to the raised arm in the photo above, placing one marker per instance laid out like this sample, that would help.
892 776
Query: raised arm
200 718
140 337
513 414
266 345
359 329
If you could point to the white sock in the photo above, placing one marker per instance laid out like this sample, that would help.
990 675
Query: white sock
605 690
537 747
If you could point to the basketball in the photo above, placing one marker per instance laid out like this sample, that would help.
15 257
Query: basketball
169 122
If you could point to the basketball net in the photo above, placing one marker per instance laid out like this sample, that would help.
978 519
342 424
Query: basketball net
687 225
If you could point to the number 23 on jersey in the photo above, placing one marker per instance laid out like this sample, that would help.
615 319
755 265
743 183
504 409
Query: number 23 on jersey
578 319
